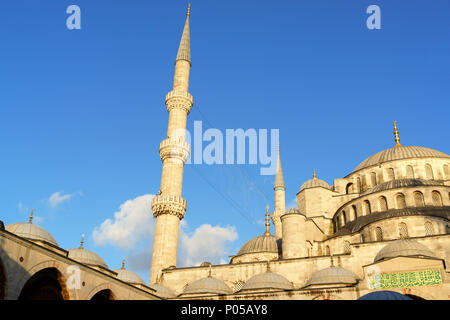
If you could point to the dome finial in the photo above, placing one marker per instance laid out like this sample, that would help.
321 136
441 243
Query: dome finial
267 221
314 174
397 138
189 10
31 215
82 241
123 263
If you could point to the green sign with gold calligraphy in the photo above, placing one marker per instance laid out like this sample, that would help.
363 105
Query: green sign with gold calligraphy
405 279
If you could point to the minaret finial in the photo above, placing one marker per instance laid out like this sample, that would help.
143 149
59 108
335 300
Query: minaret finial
31 216
123 263
397 138
267 222
314 174
189 10
82 241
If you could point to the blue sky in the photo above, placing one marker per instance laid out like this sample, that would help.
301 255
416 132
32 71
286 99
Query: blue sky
82 111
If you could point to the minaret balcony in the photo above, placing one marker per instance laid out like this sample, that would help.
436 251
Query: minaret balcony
171 148
174 205
179 99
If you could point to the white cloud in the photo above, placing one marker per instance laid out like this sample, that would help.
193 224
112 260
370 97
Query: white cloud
206 243
132 223
57 198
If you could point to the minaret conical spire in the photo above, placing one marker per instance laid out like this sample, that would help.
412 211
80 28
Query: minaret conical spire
279 179
184 51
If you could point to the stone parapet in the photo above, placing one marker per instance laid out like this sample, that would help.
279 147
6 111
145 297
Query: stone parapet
171 148
174 205
179 99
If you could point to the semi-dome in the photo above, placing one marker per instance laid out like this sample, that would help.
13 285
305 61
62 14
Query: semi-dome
404 248
86 257
162 291
264 243
401 183
332 275
315 182
208 285
267 280
398 153
31 231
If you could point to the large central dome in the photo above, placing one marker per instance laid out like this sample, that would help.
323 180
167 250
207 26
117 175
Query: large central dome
398 153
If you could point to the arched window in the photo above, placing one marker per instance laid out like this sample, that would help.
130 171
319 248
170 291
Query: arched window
363 183
378 234
355 212
446 172
366 205
382 203
429 228
380 177
347 248
349 188
373 178
437 199
400 199
390 174
327 251
429 172
418 199
409 172
403 230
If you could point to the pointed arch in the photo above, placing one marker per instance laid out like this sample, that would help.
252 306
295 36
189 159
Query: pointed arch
403 230
436 197
429 230
418 199
382 204
429 172
367 209
400 200
409 172
378 234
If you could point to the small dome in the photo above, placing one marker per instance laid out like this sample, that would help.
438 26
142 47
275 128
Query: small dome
162 291
332 275
267 280
384 295
86 257
31 231
403 248
315 182
129 276
264 243
208 285
399 153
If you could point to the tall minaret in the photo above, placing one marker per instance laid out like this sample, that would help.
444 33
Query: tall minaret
280 201
168 206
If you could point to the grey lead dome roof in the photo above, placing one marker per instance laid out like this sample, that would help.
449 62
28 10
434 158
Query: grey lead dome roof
264 243
267 280
404 248
208 285
315 182
332 275
86 257
401 183
162 291
398 153
129 276
31 231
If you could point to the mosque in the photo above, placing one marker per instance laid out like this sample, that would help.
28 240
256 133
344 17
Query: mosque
382 228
